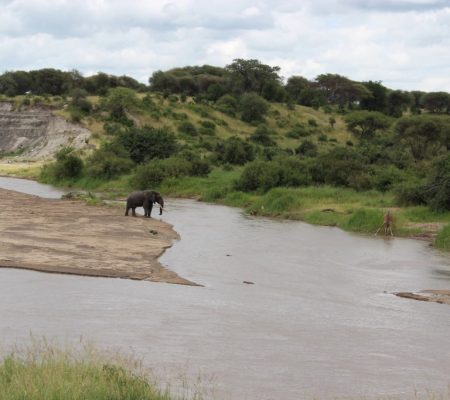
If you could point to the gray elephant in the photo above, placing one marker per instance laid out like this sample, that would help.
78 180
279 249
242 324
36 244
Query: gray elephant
144 199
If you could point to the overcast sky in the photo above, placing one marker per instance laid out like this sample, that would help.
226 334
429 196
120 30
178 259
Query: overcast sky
403 43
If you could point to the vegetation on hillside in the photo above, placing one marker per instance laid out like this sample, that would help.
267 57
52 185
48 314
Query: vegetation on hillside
242 136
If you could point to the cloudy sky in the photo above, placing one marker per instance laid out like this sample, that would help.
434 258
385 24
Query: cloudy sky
404 43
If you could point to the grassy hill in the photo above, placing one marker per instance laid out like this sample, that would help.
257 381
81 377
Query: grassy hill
339 180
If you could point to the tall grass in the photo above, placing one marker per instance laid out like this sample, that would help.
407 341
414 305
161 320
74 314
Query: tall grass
442 240
45 373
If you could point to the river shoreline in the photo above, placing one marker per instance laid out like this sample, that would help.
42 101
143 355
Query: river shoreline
72 237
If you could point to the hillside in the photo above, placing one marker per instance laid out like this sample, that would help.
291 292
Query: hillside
334 160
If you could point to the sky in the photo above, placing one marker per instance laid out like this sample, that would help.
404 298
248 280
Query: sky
403 43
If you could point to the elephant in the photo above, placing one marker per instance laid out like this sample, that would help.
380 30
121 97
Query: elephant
144 199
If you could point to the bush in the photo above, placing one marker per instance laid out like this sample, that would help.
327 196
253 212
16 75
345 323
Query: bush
442 240
312 122
298 131
307 148
410 193
261 136
108 162
187 128
386 178
234 151
258 175
147 143
68 164
227 104
148 175
253 107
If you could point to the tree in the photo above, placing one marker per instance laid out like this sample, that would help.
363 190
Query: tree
341 90
364 124
119 101
253 107
234 151
377 101
397 102
425 135
295 85
436 102
251 75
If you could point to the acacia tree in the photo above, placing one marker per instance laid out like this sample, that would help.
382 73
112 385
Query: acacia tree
436 102
251 75
425 135
364 124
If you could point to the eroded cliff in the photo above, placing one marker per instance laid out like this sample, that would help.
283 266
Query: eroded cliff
34 133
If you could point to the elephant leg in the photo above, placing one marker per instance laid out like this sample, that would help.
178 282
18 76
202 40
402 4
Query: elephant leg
133 209
126 212
150 209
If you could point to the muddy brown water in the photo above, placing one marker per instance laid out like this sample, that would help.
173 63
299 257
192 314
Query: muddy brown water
319 320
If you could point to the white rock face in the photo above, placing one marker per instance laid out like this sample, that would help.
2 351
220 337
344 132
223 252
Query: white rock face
36 134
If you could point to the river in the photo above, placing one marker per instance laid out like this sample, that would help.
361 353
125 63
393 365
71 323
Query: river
319 320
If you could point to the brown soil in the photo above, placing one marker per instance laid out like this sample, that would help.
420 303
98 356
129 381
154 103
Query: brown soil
71 237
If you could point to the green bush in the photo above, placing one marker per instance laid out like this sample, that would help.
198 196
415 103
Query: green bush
258 175
108 162
262 136
147 143
234 151
386 178
298 131
307 148
227 104
253 108
187 128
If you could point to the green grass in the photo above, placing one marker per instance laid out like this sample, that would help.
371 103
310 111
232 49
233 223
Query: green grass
442 240
46 373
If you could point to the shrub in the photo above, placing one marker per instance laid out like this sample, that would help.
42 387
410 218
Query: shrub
147 143
234 151
312 122
258 175
386 178
187 128
68 164
442 240
307 148
322 138
108 162
298 131
261 136
227 104
410 193
148 175
253 107
208 124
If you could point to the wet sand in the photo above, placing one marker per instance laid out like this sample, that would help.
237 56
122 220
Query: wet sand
71 237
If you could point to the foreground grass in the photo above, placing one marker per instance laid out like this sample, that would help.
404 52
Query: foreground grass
43 372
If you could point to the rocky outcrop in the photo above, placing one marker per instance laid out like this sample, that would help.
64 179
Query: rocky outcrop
35 133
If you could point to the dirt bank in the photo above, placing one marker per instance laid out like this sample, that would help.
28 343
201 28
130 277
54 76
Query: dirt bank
436 296
71 237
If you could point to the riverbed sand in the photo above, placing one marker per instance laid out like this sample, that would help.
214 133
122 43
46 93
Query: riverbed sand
71 237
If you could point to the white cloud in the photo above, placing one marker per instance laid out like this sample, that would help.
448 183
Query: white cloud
403 43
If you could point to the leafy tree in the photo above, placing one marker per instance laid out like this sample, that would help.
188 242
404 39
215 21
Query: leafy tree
437 190
397 102
377 100
425 135
147 143
48 81
365 124
253 107
295 85
119 101
341 90
251 75
436 102
68 164
307 148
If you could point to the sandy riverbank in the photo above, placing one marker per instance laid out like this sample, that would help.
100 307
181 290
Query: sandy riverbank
71 237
